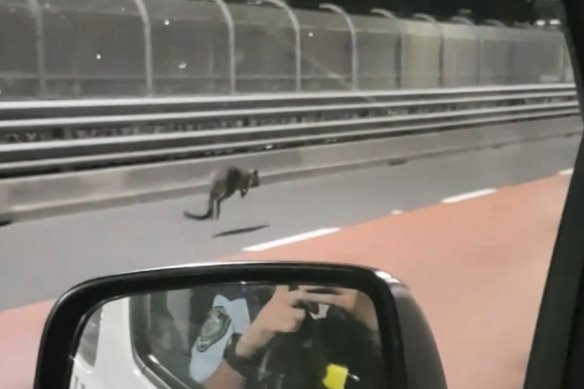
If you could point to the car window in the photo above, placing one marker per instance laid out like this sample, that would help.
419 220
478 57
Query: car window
433 140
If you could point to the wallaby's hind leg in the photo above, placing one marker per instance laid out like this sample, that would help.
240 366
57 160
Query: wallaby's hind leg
211 208
216 210
219 200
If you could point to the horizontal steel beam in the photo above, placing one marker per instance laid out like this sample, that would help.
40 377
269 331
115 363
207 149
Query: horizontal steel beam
106 120
278 97
159 129
80 153
153 138
137 156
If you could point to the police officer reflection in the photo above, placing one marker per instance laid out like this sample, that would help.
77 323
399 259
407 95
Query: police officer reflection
291 338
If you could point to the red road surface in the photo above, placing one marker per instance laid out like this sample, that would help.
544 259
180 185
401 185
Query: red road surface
477 268
20 332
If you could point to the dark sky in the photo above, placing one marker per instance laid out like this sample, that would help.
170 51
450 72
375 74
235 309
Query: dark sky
505 10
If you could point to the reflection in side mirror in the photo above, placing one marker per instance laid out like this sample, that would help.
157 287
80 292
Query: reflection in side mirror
248 326
237 335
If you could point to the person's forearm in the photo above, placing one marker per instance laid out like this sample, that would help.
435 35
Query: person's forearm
225 378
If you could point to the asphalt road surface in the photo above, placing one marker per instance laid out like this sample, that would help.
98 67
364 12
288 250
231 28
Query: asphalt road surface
41 259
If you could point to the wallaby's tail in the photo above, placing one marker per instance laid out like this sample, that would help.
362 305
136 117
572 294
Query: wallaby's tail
206 216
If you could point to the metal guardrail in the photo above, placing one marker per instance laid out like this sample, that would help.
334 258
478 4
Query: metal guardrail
130 131
40 123
75 107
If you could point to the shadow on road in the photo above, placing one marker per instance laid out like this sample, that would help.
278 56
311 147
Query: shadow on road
239 231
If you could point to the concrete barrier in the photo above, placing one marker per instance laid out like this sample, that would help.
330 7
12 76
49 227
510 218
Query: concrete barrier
42 196
6 217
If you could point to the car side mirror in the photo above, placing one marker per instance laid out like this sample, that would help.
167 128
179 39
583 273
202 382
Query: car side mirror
240 325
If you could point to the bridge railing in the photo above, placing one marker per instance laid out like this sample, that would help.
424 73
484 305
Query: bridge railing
141 48
54 136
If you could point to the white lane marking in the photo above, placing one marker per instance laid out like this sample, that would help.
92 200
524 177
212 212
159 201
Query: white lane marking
567 172
291 239
468 196
397 212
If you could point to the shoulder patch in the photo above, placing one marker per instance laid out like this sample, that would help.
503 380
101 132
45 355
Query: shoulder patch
214 328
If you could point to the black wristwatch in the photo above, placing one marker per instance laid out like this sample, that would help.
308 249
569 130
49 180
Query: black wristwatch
244 366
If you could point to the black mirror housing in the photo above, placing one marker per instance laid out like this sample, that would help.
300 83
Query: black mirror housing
410 355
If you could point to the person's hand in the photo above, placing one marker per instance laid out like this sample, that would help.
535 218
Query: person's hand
354 302
280 315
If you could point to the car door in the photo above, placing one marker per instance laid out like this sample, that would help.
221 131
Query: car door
557 355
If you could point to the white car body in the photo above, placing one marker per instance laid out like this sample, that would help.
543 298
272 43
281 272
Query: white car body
115 365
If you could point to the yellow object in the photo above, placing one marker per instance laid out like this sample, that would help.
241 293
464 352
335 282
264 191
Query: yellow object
336 376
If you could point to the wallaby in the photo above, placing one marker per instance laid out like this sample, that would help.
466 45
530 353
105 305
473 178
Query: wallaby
224 183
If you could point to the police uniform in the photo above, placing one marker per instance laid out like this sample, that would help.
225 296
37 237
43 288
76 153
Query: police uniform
233 309
231 313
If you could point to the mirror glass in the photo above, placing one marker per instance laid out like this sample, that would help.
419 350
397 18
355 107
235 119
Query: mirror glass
233 336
